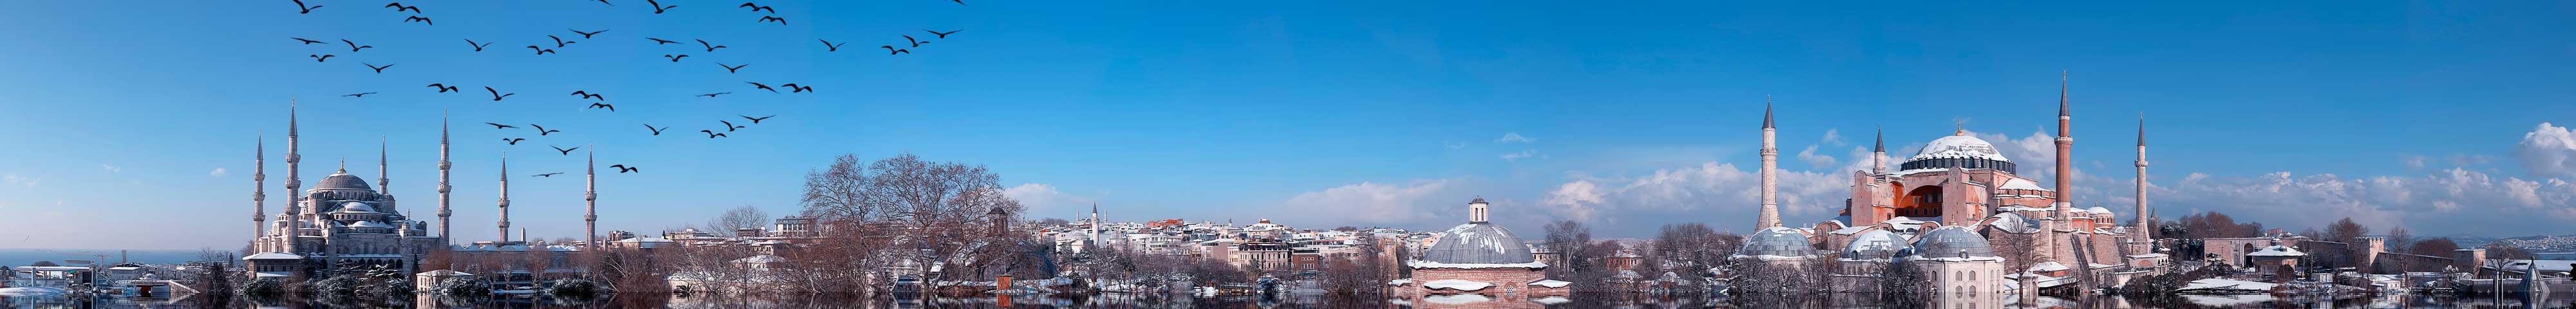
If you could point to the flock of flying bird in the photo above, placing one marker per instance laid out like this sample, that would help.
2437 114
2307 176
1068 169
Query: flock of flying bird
599 100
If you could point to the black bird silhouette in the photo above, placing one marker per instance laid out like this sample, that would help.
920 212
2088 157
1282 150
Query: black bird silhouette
674 58
398 7
781 21
306 42
756 120
757 8
548 175
732 68
611 108
354 47
379 69
831 47
541 51
443 88
477 46
729 126
542 131
357 95
710 47
662 41
712 133
711 95
943 35
587 95
762 87
657 6
513 141
320 58
586 35
559 42
562 150
299 4
915 43
606 2
621 168
959 2
791 87
656 131
496 94
500 126
423 20
890 50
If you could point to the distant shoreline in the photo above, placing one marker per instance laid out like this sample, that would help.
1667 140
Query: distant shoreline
25 256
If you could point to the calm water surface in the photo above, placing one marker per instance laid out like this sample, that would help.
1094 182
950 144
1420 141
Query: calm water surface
1127 301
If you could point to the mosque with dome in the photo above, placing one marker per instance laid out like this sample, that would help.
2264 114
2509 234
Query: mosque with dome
1942 210
342 224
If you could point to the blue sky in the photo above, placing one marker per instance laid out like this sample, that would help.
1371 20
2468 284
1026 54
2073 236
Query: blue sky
1314 114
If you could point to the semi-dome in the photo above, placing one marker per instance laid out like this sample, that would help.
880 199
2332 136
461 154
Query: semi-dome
1961 151
1777 242
2099 210
1478 243
342 180
1951 242
1873 244
357 208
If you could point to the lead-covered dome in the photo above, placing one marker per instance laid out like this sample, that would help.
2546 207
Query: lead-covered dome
1478 243
1872 245
342 180
1777 242
1961 151
1951 242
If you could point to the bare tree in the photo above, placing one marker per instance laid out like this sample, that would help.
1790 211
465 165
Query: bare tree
941 210
738 218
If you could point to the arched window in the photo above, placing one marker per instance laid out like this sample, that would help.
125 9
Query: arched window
1972 275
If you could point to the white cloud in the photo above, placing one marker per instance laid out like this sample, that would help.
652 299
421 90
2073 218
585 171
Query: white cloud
1711 187
1371 203
1832 137
2548 151
2414 161
1453 145
1514 137
219 172
1814 159
2452 200
1517 156
1044 201
16 180
111 168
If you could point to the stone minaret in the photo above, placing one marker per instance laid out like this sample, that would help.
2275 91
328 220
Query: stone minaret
2145 231
505 196
1878 153
384 184
590 199
294 197
1770 175
259 191
445 236
2065 164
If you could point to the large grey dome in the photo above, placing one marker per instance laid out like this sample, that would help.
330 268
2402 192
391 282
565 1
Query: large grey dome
342 180
1951 242
1872 245
1478 243
1778 241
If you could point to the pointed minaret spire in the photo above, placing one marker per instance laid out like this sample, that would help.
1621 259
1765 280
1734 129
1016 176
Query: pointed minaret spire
446 236
1770 215
384 185
2061 95
294 197
505 196
2146 232
259 191
590 198
1878 153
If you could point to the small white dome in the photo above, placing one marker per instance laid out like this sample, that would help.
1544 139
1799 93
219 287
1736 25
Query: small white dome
356 207
2100 210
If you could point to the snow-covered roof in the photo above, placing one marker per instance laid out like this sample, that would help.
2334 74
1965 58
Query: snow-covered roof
1550 283
2017 183
1959 147
1455 284
761 259
2048 266
1430 264
1478 243
2277 250
2100 210
372 224
272 256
